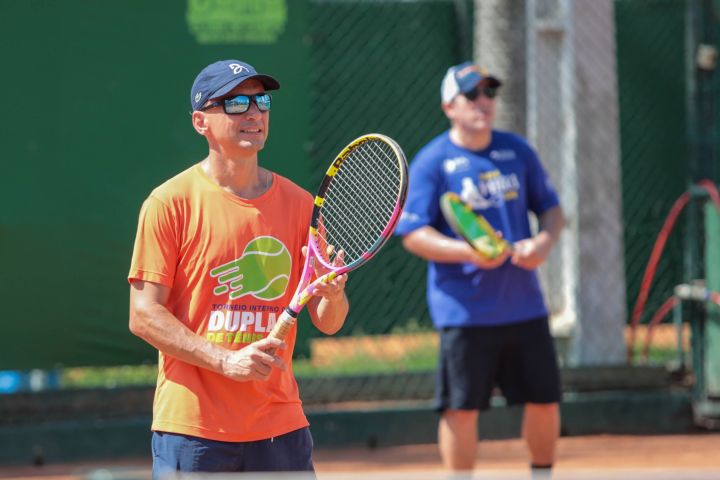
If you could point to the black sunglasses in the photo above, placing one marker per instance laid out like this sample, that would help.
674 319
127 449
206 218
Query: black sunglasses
241 103
490 91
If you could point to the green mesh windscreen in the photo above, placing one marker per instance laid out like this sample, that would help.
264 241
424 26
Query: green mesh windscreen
651 80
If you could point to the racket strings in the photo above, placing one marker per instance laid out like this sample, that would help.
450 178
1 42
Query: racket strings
356 229
361 199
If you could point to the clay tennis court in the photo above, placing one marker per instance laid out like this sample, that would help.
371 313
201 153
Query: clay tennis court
603 456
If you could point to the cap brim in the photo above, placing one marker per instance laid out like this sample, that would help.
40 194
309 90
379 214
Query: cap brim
473 79
268 82
491 81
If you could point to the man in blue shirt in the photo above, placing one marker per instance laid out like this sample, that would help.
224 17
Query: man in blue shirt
491 314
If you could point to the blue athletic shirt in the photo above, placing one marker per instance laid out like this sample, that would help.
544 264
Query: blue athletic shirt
502 182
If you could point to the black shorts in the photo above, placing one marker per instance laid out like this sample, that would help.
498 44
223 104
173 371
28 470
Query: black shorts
519 358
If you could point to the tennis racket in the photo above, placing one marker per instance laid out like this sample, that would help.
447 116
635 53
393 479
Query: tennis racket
356 210
471 227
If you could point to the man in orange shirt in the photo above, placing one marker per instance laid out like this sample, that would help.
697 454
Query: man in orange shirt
218 254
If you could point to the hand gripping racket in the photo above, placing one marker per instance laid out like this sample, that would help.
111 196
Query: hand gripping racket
356 209
471 227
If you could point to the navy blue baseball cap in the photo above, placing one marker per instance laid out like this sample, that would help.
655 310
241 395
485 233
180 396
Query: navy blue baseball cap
462 79
219 78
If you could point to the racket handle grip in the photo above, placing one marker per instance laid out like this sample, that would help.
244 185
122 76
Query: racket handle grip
283 325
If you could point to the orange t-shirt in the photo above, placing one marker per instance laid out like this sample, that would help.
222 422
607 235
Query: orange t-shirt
231 265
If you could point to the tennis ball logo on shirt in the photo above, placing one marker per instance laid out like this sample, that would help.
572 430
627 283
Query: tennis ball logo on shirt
263 271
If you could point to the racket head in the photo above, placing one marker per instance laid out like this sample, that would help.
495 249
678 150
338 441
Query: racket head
359 201
473 228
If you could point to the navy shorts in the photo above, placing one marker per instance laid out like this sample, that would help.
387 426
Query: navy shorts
182 453
518 358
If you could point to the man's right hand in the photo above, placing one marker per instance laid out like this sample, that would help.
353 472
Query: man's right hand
254 362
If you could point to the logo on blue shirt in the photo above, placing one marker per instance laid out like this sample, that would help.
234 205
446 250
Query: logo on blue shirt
503 155
493 189
457 164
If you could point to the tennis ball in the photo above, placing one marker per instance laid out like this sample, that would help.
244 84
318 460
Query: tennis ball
269 262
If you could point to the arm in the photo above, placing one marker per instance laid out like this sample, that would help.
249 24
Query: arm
153 322
530 253
329 308
430 244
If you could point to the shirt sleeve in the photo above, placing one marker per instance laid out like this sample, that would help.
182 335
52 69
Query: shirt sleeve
422 206
542 195
156 244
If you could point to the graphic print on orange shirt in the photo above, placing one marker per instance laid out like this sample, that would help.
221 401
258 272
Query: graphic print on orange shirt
263 272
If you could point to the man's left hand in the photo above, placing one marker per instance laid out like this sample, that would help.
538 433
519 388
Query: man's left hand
530 253
334 290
